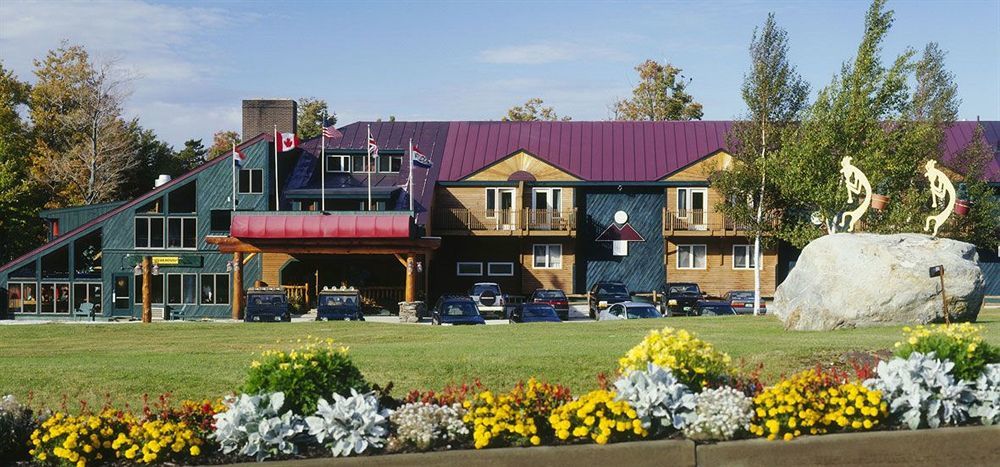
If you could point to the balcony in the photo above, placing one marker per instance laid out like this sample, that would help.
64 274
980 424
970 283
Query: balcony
693 222
504 222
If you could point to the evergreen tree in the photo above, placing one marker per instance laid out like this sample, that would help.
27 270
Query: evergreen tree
20 227
192 155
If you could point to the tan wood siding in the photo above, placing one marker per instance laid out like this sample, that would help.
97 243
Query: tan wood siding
521 162
719 276
271 264
561 278
700 171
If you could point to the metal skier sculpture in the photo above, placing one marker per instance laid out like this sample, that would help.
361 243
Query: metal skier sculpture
941 189
857 183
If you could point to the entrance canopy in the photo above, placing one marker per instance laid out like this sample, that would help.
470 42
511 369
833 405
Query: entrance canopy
354 225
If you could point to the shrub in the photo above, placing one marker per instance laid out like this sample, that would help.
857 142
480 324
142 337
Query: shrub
719 414
922 391
661 402
315 370
812 402
515 418
987 394
693 361
599 416
255 426
17 422
424 426
961 344
350 425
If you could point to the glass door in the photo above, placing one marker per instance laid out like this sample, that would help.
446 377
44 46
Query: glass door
546 204
122 289
507 220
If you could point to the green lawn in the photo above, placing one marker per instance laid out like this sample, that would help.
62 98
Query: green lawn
199 360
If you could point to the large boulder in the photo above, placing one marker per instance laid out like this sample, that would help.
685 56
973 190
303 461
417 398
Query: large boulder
858 280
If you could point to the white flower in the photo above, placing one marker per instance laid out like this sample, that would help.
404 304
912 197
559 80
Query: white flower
719 414
921 390
987 393
661 402
426 425
253 426
351 424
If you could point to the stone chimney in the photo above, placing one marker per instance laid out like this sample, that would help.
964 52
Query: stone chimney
261 115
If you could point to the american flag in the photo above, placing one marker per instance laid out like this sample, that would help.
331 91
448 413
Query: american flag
331 132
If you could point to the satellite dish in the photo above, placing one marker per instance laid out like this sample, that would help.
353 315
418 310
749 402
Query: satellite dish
621 217
816 218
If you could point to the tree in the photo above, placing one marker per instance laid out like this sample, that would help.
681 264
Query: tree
222 143
20 228
86 148
156 157
192 155
532 111
660 95
981 226
775 95
311 112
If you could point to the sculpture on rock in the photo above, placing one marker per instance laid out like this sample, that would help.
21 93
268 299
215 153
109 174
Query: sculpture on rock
857 183
941 189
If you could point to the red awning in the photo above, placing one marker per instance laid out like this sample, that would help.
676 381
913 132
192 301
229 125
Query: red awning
320 226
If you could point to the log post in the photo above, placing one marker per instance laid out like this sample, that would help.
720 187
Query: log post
238 285
147 289
411 278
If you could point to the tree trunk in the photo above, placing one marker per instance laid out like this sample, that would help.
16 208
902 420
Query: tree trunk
760 215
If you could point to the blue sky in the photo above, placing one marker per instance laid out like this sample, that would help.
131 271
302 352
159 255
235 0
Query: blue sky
195 61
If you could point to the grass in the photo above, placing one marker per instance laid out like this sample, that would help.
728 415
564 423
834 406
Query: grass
208 360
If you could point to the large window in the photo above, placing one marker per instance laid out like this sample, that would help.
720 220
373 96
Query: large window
500 269
466 268
22 297
182 289
547 256
220 220
339 163
692 256
251 182
183 200
149 232
182 232
743 257
54 297
389 164
87 292
157 284
215 289
359 163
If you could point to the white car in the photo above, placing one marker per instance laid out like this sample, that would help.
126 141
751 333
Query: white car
629 310
489 299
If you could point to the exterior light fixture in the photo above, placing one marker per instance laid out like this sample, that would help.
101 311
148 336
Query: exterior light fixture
420 266
137 270
156 269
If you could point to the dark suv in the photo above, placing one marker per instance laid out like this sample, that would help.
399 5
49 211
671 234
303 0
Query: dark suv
604 294
339 304
680 298
266 304
455 310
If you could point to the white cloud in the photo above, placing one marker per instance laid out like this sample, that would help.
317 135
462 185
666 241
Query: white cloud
540 53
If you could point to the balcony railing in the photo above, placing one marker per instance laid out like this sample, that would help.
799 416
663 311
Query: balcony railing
500 220
697 220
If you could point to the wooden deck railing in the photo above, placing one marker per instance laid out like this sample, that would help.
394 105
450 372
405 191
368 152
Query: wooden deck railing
699 220
294 293
373 298
520 220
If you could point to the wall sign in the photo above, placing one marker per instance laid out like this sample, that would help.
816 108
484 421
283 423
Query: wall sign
619 233
178 261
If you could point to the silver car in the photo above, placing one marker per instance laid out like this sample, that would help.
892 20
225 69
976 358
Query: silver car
629 310
489 299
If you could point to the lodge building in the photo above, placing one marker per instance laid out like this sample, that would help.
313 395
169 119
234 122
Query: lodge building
525 204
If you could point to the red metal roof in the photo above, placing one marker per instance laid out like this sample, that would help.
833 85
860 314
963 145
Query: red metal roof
959 135
320 226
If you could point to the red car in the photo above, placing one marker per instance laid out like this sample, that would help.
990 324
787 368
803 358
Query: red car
554 297
742 302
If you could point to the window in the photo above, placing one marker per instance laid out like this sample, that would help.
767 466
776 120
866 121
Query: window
54 298
469 269
182 289
389 164
500 269
215 289
743 257
251 182
22 297
220 220
692 204
184 199
502 200
691 256
338 163
157 292
86 292
182 232
358 163
547 256
149 232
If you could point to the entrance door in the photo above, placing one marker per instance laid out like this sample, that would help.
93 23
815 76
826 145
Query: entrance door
692 206
546 204
122 291
501 205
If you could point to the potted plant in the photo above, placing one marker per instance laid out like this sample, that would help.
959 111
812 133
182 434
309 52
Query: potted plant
962 203
879 202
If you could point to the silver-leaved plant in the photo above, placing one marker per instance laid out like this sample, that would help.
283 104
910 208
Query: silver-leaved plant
253 426
922 391
987 393
661 402
350 425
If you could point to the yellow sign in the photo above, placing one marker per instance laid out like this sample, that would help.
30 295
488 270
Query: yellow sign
167 260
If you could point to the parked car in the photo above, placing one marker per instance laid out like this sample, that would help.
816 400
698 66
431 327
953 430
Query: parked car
556 298
457 309
339 304
629 310
266 304
680 298
489 298
604 294
534 313
714 308
742 302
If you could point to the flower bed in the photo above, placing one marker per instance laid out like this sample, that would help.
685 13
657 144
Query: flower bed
311 401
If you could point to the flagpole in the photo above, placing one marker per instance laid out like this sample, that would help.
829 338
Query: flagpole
234 175
409 179
322 152
368 162
277 201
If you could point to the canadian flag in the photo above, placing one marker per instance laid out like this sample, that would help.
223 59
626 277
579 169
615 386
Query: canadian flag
287 141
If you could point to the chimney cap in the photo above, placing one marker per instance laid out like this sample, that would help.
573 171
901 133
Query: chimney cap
163 179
